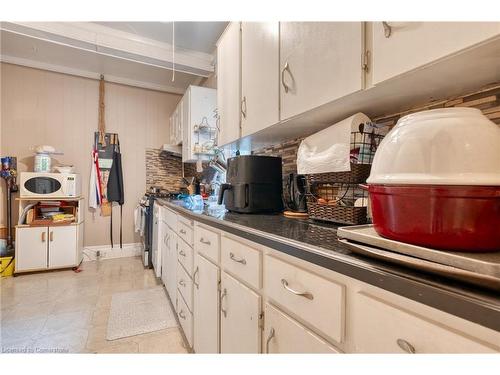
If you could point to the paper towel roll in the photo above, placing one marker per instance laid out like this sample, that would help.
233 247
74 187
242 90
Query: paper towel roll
328 150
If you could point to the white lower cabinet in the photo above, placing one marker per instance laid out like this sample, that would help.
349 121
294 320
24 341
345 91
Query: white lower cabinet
39 248
34 251
314 299
62 245
240 317
206 305
186 319
283 334
185 286
171 277
380 327
308 309
164 256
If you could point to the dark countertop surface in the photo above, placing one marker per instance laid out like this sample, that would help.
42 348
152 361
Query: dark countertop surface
317 243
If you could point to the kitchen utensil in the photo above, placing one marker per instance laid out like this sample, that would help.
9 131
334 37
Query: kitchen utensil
295 193
435 181
154 189
296 215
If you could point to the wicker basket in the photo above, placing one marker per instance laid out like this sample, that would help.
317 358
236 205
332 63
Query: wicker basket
357 175
336 214
327 187
332 196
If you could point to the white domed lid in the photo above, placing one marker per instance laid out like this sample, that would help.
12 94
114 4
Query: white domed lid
453 146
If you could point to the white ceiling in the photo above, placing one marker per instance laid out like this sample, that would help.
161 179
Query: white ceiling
133 53
19 49
196 36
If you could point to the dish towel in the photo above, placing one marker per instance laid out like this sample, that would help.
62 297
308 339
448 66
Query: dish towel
94 182
139 219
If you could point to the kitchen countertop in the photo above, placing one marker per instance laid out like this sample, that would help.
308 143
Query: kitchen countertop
317 243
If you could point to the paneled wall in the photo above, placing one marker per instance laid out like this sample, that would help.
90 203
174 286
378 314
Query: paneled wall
41 107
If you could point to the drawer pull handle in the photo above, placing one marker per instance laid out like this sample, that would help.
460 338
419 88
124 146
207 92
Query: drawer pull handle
302 294
224 294
181 314
204 242
51 236
242 260
43 236
183 231
197 285
406 346
182 253
269 338
182 283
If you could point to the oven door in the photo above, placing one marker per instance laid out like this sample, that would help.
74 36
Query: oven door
41 186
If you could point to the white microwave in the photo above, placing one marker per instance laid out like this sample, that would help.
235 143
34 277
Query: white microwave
49 185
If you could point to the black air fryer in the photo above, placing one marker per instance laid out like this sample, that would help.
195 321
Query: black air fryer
254 185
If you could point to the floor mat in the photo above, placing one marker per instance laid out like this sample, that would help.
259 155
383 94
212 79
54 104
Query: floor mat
139 311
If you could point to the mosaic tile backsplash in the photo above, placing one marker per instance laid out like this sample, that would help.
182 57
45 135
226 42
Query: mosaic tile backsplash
165 171
486 99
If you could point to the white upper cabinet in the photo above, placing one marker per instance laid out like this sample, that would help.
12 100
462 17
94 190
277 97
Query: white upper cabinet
319 62
198 123
399 47
176 125
259 76
228 83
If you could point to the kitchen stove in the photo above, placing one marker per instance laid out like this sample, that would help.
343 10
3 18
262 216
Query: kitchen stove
147 201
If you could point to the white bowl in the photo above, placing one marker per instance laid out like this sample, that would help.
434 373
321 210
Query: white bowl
453 146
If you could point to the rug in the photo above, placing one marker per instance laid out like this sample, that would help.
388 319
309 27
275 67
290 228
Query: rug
139 311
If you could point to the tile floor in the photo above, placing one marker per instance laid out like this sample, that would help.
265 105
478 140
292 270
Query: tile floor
64 311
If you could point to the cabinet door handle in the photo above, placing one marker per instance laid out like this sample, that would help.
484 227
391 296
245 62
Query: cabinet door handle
197 285
182 282
203 241
182 231
43 236
285 68
224 294
406 346
181 314
51 236
297 293
269 338
387 29
233 258
182 253
244 105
